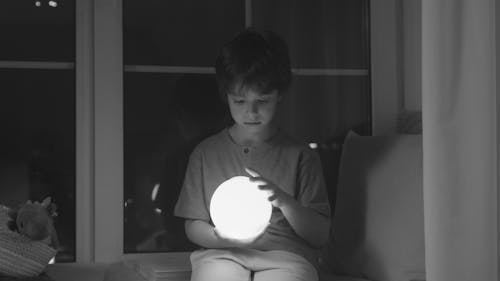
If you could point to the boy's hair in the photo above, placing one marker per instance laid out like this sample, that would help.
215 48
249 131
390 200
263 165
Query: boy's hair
258 60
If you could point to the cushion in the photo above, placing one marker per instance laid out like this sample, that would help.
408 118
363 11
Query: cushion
378 224
19 255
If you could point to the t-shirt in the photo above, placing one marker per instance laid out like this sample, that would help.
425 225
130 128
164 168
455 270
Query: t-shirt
292 166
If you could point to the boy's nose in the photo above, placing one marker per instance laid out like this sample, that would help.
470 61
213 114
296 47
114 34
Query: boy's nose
252 107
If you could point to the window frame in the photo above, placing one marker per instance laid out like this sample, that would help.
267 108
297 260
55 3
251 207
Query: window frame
84 131
108 131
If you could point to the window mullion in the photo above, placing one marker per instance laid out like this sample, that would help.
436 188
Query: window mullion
248 13
84 132
108 129
211 70
36 64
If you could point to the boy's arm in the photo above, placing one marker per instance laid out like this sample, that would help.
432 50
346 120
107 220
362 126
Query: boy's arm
201 233
306 222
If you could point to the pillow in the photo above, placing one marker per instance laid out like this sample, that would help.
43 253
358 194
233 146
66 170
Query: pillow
378 224
19 255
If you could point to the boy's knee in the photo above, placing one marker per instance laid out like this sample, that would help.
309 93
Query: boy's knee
286 266
220 270
206 267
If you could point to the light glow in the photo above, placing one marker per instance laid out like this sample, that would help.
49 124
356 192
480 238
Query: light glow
239 209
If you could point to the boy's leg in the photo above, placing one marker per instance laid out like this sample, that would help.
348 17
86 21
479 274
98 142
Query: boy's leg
283 266
217 265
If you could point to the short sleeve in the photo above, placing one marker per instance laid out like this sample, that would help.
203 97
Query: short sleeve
312 187
191 202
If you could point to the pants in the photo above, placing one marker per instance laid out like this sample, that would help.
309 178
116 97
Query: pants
250 265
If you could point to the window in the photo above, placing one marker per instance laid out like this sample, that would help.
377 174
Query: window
98 129
169 88
37 110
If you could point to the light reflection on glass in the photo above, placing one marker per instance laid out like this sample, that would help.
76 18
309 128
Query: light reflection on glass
313 145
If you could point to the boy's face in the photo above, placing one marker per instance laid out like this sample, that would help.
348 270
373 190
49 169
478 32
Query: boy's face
252 110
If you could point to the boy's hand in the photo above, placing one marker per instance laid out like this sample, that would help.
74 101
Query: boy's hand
277 196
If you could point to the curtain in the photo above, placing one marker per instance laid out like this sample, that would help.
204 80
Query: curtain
459 105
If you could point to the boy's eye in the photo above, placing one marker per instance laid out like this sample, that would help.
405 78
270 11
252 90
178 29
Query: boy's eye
238 101
263 101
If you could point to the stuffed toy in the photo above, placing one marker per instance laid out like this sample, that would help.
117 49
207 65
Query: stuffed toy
35 221
28 240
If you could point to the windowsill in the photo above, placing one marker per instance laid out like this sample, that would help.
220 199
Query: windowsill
77 271
134 267
160 266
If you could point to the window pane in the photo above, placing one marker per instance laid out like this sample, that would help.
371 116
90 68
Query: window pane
179 33
31 33
321 110
166 115
320 33
37 147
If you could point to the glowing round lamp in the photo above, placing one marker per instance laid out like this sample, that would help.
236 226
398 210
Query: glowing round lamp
239 209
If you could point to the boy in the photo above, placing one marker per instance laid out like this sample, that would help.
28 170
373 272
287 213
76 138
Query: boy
253 72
